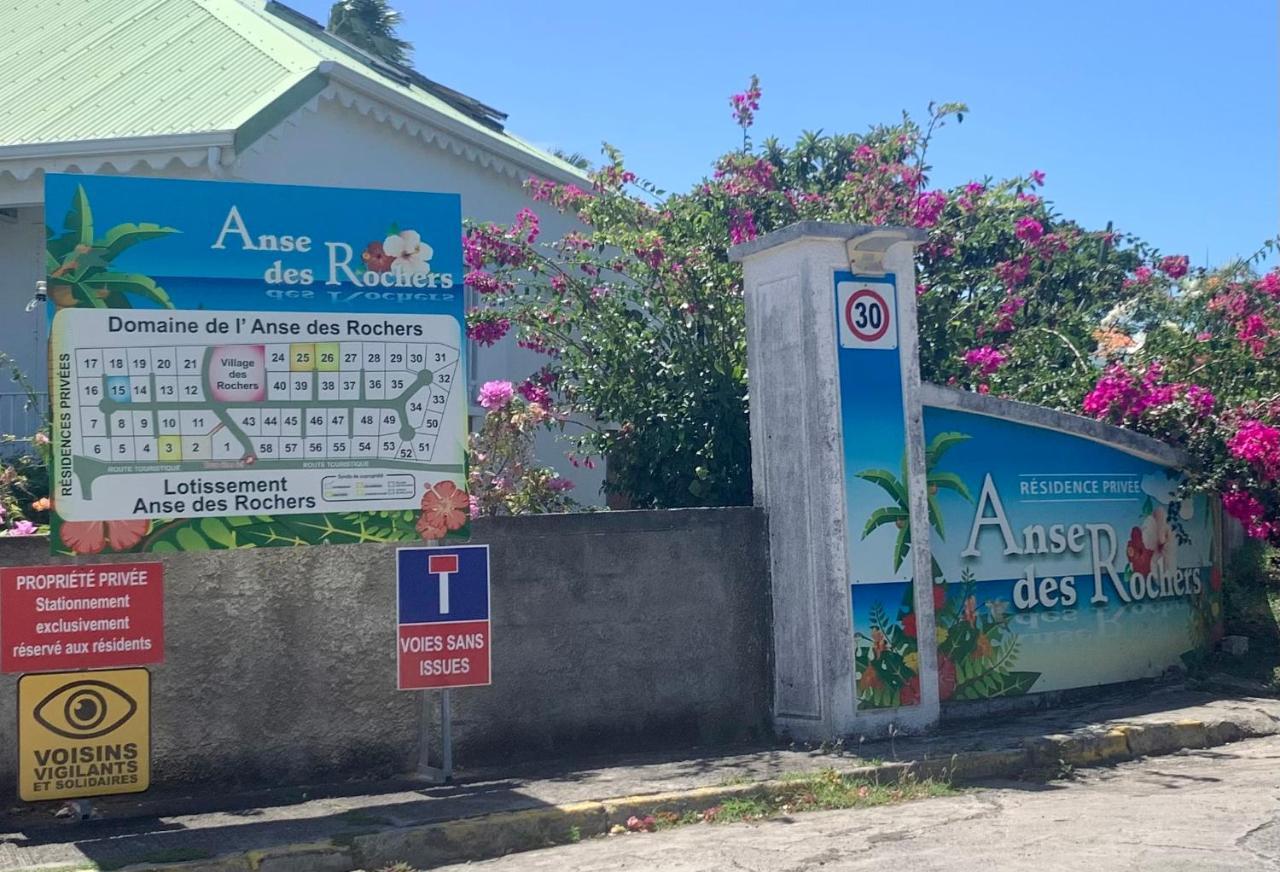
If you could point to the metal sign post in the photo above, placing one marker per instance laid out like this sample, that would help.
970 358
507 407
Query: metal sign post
443 773
443 635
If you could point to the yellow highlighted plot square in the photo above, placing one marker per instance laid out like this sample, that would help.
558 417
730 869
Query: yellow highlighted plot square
169 449
302 357
84 734
328 356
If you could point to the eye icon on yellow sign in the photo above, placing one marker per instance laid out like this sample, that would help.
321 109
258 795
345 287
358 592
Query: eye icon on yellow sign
85 709
84 733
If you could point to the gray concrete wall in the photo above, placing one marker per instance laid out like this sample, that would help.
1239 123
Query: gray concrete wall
610 631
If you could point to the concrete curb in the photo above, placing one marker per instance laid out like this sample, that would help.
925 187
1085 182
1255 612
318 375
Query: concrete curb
494 835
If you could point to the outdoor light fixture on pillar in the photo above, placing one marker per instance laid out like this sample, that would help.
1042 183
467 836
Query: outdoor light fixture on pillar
838 460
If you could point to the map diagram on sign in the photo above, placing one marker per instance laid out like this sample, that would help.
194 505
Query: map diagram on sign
229 412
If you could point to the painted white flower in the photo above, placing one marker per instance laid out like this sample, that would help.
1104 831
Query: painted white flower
1158 537
410 255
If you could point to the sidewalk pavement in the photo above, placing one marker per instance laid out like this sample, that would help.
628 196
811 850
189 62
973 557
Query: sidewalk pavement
491 812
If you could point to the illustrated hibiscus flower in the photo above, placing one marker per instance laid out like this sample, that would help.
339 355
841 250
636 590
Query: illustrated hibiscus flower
1158 537
946 677
444 508
911 691
869 680
375 258
939 595
1139 555
409 254
90 537
971 610
909 625
878 642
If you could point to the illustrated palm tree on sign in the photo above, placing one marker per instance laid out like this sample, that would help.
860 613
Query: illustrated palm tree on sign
898 513
79 268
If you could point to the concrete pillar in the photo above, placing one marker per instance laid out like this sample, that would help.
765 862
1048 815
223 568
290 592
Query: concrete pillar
834 387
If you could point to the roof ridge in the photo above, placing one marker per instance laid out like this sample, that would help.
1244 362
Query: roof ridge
404 75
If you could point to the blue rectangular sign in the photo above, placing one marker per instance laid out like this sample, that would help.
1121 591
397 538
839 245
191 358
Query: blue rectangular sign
442 607
457 589
244 365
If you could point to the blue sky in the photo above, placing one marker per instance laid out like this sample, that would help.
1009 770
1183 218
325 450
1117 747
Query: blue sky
1160 116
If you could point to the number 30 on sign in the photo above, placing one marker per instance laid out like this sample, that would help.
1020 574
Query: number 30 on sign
867 314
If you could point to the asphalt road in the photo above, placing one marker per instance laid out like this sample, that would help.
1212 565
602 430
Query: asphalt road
1200 810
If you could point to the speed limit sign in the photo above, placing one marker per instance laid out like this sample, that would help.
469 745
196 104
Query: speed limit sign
867 312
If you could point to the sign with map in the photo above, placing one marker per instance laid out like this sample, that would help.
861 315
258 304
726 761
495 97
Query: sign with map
243 365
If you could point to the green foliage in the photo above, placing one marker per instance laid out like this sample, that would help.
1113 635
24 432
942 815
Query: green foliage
977 648
370 25
643 317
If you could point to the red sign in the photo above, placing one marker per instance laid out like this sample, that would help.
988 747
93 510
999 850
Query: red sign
867 315
99 616
442 605
443 655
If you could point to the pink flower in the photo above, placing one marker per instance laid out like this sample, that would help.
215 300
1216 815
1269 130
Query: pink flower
984 360
928 208
1175 266
527 225
742 226
1028 229
1270 284
746 104
1037 177
1257 443
496 394
1201 399
1013 273
486 283
560 485
22 528
534 393
1254 333
1242 506
489 330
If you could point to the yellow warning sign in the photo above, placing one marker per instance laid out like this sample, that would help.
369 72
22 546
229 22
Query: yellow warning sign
84 734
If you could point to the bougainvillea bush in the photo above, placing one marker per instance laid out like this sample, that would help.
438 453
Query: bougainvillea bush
1193 357
504 477
641 316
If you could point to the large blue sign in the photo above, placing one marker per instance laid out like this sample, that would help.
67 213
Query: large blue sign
238 364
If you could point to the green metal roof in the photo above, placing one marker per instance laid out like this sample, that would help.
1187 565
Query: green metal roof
88 70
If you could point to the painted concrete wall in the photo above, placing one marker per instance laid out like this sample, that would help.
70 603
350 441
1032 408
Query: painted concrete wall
324 143
1069 556
612 631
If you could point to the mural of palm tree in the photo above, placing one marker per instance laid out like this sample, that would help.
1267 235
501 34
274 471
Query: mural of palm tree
898 512
78 264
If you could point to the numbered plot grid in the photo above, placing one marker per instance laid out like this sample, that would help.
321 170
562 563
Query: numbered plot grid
263 403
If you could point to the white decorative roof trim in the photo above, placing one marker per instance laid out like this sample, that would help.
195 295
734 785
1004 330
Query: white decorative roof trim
21 170
427 133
